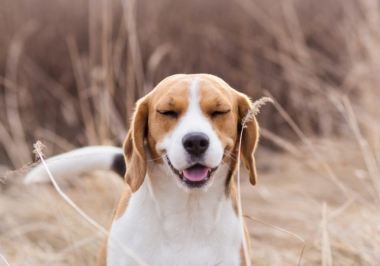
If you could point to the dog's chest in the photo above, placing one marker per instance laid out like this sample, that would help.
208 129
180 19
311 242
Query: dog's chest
178 235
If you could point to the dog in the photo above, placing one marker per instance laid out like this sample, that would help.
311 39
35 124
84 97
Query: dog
179 206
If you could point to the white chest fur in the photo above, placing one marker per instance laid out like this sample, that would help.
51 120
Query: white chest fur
165 225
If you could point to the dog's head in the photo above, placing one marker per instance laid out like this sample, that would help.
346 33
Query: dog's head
191 123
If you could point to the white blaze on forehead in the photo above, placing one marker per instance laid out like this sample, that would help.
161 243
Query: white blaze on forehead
194 96
193 120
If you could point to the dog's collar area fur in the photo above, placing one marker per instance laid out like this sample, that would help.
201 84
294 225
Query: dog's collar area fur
181 226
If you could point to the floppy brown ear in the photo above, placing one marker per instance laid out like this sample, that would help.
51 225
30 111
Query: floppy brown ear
134 148
250 136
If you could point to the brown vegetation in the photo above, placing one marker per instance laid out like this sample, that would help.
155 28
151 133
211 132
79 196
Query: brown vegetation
70 72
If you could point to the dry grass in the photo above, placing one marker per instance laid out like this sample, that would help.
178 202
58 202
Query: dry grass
70 72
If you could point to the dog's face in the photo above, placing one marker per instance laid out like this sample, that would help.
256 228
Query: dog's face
192 123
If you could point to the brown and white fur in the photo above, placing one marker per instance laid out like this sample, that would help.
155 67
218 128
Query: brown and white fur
171 212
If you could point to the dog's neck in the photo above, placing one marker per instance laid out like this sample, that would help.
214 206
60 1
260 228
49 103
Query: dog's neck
162 188
164 222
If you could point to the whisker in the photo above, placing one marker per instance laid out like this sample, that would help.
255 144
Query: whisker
226 165
161 157
230 153
231 156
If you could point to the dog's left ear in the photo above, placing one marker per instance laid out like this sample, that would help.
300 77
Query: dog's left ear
134 148
250 136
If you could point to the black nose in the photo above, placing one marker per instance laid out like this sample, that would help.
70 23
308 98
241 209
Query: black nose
195 143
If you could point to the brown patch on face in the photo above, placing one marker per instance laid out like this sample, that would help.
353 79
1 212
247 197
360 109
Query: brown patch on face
219 106
171 95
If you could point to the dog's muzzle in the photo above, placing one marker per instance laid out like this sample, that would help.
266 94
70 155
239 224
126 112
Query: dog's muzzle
196 175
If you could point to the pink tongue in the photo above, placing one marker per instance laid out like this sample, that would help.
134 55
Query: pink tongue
196 173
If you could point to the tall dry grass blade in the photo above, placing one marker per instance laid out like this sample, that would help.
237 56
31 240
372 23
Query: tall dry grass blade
274 28
247 118
77 244
88 118
106 45
38 147
20 171
129 13
118 48
247 258
326 246
102 113
368 156
106 86
9 146
154 61
294 28
302 54
342 208
259 103
11 96
262 18
345 108
94 41
111 117
288 119
54 88
280 142
5 261
282 230
119 59
131 85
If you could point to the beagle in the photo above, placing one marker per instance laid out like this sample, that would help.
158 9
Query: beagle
180 204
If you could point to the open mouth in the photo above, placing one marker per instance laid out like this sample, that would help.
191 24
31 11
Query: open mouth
196 175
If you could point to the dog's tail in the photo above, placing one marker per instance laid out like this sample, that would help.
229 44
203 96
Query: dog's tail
79 161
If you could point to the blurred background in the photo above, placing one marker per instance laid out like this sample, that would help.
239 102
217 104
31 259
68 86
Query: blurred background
71 71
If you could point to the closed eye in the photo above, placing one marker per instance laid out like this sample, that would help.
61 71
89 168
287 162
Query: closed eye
168 113
219 113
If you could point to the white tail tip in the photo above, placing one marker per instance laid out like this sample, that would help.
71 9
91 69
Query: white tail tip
75 162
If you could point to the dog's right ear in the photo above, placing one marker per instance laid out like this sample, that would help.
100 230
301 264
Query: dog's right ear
134 148
250 136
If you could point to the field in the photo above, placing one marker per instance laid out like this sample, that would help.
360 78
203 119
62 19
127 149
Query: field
70 72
